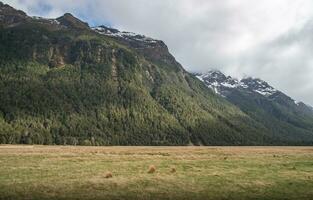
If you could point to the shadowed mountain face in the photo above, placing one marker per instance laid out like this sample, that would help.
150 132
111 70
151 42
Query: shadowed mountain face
282 115
9 16
62 82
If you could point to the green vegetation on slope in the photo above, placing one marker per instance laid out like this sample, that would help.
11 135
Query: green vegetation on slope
284 121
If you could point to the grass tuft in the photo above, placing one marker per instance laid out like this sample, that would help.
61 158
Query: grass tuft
152 169
108 175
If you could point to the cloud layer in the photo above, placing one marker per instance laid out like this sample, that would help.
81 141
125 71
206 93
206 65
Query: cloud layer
269 39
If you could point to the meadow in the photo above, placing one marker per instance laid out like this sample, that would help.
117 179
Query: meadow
217 173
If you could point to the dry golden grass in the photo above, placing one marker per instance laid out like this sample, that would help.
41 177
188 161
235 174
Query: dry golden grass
66 172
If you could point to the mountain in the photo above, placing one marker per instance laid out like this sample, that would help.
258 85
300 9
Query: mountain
63 82
280 114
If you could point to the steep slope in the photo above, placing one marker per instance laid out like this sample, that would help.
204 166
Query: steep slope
280 114
62 82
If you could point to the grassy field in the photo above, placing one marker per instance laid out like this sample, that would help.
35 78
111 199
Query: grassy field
59 172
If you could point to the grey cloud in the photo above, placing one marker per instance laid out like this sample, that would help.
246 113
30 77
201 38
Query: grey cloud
286 62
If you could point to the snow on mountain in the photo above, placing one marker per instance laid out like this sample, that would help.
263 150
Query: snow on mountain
52 21
259 86
219 83
125 35
217 78
297 102
223 85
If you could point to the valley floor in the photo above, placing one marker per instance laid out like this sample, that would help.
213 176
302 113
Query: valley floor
64 172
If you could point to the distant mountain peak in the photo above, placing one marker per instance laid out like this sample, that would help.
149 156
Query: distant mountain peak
10 15
123 34
259 86
224 85
155 50
218 81
262 102
69 20
216 74
7 9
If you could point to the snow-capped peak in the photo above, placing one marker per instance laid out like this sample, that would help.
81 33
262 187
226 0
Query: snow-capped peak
217 81
213 74
220 83
125 35
259 86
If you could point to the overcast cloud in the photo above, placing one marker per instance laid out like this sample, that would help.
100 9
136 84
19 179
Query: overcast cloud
269 39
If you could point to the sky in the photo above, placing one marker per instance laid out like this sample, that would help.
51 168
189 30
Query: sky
268 39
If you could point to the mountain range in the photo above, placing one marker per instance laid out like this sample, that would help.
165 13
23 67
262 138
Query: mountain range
64 82
279 113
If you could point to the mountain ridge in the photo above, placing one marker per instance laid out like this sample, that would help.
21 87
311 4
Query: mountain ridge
262 102
263 87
